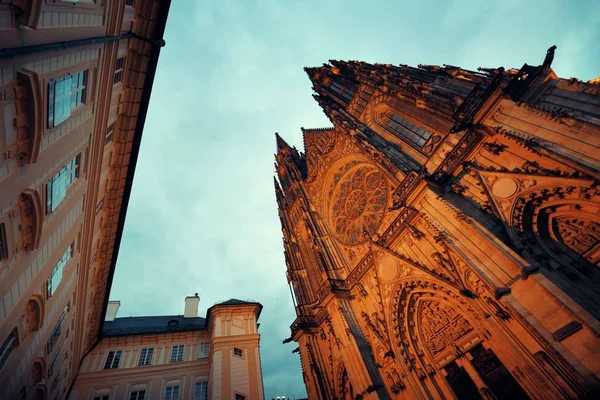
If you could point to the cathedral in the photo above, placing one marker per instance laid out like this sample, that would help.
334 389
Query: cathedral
442 240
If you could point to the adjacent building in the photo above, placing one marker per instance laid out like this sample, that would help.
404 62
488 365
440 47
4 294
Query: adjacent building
75 82
177 356
442 239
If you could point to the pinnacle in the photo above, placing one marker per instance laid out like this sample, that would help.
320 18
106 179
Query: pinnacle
281 144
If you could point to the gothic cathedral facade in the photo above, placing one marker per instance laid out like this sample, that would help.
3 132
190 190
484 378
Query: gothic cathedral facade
442 240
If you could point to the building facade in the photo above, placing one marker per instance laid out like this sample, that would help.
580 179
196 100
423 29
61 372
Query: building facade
75 82
442 240
177 357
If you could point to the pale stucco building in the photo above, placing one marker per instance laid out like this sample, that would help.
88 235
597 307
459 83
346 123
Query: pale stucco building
176 356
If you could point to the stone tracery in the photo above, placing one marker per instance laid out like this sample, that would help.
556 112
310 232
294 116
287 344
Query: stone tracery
358 199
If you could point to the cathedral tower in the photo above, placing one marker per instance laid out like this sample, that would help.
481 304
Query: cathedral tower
442 240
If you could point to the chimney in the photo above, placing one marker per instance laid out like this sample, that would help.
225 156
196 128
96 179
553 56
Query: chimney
191 306
111 310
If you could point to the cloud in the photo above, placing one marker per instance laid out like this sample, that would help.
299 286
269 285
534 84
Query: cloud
202 216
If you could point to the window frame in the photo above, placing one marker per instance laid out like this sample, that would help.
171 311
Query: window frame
76 93
201 392
111 364
4 250
8 347
406 131
68 172
235 352
51 287
203 350
137 393
341 91
57 331
177 350
119 70
173 389
146 356
110 133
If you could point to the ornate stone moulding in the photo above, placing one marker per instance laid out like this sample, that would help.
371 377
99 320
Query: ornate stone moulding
29 111
32 218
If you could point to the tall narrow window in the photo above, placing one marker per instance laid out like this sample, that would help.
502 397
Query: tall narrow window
172 393
3 243
119 68
407 130
57 331
57 273
203 350
56 188
177 353
109 134
9 345
146 356
139 395
345 93
113 359
201 391
64 95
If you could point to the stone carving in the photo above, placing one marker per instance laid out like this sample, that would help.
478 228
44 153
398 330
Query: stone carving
579 234
441 325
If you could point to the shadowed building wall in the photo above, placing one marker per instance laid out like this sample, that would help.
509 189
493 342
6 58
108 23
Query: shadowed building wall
75 82
442 239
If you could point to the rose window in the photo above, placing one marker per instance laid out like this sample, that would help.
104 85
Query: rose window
358 201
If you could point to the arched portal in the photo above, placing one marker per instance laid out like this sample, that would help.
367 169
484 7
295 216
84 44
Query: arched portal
446 339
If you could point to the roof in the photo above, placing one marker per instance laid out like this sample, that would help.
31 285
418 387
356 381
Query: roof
234 302
147 325
164 323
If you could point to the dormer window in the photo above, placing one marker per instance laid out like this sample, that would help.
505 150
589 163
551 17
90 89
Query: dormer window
343 92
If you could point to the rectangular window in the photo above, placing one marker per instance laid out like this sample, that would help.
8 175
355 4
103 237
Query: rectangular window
238 352
113 359
57 330
9 345
172 393
407 130
3 243
201 391
130 3
177 353
239 397
146 356
119 67
109 134
56 188
102 398
64 95
139 395
203 350
57 273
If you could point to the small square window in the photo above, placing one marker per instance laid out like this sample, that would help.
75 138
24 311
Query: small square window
238 352
239 397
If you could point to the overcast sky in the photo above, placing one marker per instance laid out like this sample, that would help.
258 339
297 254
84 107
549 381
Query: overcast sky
203 216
